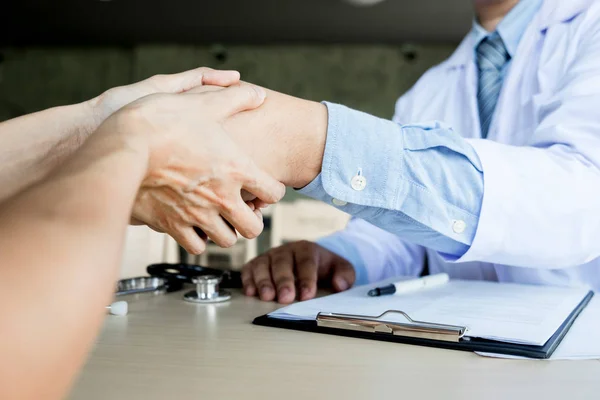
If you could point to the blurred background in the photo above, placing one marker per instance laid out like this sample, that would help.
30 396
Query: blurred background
361 53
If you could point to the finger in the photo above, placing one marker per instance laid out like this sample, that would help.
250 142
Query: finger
220 78
262 185
256 211
184 81
235 99
247 280
261 274
189 240
247 196
282 271
260 204
306 260
218 230
243 218
343 275
204 89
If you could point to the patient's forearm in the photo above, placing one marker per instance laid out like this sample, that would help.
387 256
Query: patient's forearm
32 145
60 248
285 136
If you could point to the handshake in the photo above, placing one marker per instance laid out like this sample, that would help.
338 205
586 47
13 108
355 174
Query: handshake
218 150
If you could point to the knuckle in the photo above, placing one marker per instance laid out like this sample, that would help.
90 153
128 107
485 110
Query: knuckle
200 219
262 260
225 204
284 281
229 242
249 178
251 93
280 253
240 170
304 244
264 282
254 231
247 268
193 249
275 252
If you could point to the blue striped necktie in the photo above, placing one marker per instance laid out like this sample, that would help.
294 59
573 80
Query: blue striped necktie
492 56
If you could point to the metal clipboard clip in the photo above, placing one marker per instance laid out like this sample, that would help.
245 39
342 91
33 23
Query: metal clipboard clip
415 329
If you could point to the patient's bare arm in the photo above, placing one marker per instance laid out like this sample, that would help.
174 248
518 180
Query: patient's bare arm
33 145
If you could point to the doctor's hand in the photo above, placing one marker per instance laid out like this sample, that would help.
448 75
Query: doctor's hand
285 136
292 271
196 174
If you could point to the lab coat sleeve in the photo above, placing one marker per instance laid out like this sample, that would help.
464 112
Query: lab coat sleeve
374 253
541 204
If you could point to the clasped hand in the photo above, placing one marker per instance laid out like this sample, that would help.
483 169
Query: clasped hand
197 176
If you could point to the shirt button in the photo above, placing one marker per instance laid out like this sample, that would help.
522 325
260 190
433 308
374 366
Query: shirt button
459 226
359 182
339 203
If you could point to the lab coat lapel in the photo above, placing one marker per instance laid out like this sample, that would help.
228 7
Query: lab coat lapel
532 70
513 120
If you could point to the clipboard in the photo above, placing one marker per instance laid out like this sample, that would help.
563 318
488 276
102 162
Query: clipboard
421 333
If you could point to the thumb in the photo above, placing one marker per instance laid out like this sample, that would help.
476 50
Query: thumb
343 276
235 99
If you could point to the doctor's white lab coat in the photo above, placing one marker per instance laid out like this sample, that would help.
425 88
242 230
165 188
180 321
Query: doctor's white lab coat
540 216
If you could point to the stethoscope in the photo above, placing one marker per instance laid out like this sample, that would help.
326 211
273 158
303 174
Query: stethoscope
168 278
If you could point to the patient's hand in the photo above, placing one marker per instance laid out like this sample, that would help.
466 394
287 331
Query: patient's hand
292 271
196 173
114 99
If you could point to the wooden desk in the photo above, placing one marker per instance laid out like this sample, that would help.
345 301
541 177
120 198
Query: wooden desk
168 349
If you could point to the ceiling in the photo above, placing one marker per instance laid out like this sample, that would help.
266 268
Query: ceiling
128 22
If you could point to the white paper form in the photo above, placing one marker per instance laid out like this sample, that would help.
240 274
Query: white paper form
506 312
582 342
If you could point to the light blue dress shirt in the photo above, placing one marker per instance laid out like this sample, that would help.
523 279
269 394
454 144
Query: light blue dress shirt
409 180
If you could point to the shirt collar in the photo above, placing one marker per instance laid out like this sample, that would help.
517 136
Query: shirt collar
551 12
512 27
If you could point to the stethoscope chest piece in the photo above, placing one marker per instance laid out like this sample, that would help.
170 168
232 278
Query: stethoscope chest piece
207 290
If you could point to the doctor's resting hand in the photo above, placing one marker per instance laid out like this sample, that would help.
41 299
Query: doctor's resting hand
292 271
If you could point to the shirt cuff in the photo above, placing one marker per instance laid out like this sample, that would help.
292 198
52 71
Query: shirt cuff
363 175
346 250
